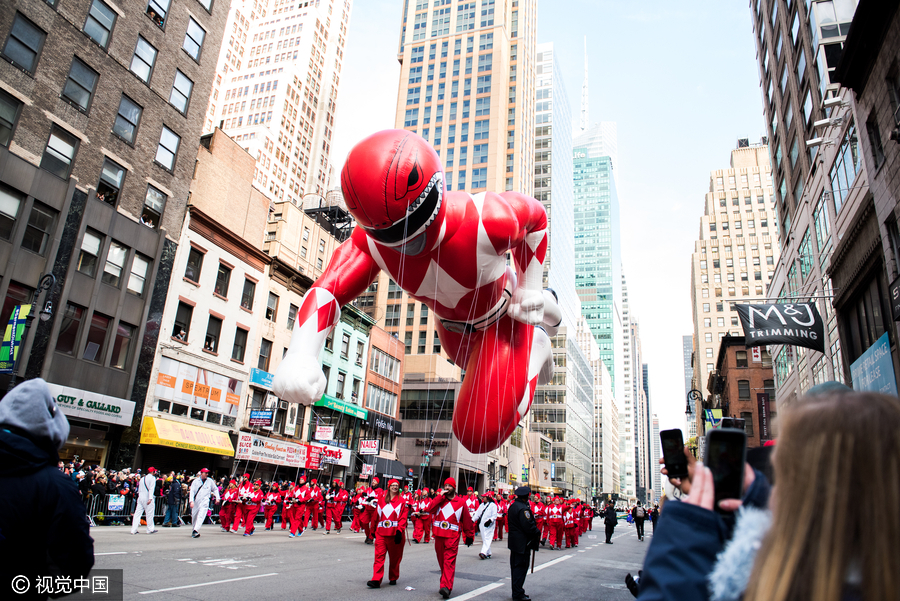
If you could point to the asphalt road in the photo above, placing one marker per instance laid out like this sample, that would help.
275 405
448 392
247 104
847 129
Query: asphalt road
269 565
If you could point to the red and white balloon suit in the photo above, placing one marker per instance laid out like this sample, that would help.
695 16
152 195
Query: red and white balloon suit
447 250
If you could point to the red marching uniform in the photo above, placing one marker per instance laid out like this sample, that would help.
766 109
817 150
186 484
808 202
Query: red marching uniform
390 528
335 503
270 502
252 502
472 502
240 510
301 509
357 508
570 522
287 506
555 524
450 520
422 521
229 505
538 510
315 497
502 508
370 502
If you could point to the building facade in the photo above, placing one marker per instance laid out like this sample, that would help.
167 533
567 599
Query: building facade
280 72
735 255
100 129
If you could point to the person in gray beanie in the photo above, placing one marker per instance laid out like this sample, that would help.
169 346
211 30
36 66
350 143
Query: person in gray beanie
43 528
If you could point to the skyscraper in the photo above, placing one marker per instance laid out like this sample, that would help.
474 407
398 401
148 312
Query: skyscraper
654 461
687 343
277 87
735 255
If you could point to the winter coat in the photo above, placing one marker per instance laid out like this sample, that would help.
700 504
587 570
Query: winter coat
685 547
609 516
42 519
173 495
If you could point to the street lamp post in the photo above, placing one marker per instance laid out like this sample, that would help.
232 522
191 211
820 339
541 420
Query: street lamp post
47 282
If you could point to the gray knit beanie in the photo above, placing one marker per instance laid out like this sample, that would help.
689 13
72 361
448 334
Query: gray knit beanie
30 407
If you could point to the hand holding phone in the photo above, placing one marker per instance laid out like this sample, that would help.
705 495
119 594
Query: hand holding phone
673 453
726 459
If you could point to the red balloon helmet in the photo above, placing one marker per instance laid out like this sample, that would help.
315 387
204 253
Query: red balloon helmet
393 186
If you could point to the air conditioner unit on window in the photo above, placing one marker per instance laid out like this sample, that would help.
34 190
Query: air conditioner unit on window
283 405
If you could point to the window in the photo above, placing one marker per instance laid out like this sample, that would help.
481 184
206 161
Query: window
96 338
707 322
709 352
111 177
115 262
240 344
68 330
845 168
392 316
744 389
154 205
272 307
23 46
407 343
193 39
99 23
10 202
292 316
422 345
423 315
40 225
180 95
213 331
709 337
60 152
122 346
706 307
183 321
80 84
168 148
90 251
740 358
157 11
265 351
140 267
127 119
247 294
345 346
194 264
9 113
875 141
143 60
223 277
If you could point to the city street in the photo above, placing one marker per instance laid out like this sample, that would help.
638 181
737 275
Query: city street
269 565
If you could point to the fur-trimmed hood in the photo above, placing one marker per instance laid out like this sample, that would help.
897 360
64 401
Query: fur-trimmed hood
731 574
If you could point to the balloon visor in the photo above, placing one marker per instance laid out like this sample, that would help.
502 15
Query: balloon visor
419 216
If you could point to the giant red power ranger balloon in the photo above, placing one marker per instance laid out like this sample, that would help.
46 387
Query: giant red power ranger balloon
447 250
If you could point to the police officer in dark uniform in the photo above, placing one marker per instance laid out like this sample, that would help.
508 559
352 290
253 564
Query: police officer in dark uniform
524 537
610 520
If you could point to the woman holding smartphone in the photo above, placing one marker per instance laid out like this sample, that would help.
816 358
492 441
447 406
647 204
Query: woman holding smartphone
833 450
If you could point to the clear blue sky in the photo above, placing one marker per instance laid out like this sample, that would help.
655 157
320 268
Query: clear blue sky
680 80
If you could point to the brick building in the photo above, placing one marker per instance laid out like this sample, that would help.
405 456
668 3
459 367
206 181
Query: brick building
101 111
743 374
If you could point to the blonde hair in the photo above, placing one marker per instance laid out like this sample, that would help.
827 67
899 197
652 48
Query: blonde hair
834 452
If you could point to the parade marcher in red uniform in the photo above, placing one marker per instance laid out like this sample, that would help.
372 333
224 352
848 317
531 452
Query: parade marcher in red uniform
229 505
417 517
271 501
335 502
323 490
357 507
555 523
570 524
288 500
472 501
252 502
450 520
538 510
301 508
315 496
370 502
244 488
502 507
390 516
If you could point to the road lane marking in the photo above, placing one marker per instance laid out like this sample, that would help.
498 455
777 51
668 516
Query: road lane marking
113 553
177 588
480 591
555 561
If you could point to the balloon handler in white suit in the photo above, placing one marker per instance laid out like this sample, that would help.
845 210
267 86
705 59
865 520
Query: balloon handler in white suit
201 489
486 518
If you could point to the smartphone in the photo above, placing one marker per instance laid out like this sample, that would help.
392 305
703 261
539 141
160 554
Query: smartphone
726 455
727 422
673 453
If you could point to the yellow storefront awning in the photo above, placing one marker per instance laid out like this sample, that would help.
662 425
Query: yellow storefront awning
185 436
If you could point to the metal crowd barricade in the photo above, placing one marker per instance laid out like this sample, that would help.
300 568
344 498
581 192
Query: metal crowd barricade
99 512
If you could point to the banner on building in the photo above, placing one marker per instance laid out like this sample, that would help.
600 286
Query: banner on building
15 328
268 450
197 387
261 418
797 324
368 446
756 353
331 454
874 370
84 404
765 424
367 469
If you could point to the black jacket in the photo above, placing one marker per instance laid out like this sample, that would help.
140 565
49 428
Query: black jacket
523 530
173 495
609 516
42 521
